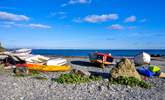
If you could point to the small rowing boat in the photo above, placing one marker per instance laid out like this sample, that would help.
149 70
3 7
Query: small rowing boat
40 67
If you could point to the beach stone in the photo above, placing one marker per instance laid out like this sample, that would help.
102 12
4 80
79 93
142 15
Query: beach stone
101 88
81 72
125 68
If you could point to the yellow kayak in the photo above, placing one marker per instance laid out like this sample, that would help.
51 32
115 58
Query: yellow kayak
46 68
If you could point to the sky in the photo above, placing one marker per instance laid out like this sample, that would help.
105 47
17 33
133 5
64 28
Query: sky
82 24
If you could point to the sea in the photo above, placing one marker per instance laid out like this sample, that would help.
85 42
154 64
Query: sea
78 52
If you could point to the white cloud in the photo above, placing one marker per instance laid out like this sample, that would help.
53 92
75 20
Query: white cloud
100 18
60 15
76 2
57 13
12 17
79 1
120 27
130 19
10 24
39 26
116 27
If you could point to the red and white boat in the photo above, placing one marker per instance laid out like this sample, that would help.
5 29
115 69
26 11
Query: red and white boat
101 58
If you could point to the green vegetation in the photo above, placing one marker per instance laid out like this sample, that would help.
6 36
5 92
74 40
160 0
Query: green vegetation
74 78
37 75
131 81
33 73
24 74
40 78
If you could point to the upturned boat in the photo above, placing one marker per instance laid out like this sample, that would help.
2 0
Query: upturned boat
45 68
101 58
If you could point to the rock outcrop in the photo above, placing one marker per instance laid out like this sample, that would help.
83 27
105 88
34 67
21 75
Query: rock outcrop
125 68
81 72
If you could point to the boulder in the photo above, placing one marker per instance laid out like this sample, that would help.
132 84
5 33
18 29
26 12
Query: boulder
125 68
81 72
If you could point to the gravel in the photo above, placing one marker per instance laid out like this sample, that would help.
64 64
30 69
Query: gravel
28 88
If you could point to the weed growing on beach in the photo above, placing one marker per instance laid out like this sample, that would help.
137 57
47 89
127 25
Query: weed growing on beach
74 78
32 73
131 81
37 75
41 78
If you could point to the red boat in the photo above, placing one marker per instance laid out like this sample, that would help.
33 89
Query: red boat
101 58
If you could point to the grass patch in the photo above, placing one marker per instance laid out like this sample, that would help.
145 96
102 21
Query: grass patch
131 81
23 74
34 73
74 78
40 78
37 75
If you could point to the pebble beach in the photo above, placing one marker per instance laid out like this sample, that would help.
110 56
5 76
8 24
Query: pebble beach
29 88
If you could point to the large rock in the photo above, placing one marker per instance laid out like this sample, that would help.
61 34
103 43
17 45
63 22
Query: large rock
81 72
125 68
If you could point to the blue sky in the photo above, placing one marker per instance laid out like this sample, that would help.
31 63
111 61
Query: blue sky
83 24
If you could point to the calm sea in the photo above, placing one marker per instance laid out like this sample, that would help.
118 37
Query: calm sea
71 52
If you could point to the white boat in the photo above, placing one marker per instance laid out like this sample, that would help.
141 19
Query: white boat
36 59
142 58
23 51
15 54
2 57
56 62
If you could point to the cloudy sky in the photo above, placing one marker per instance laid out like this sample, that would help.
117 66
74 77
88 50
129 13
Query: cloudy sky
83 24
